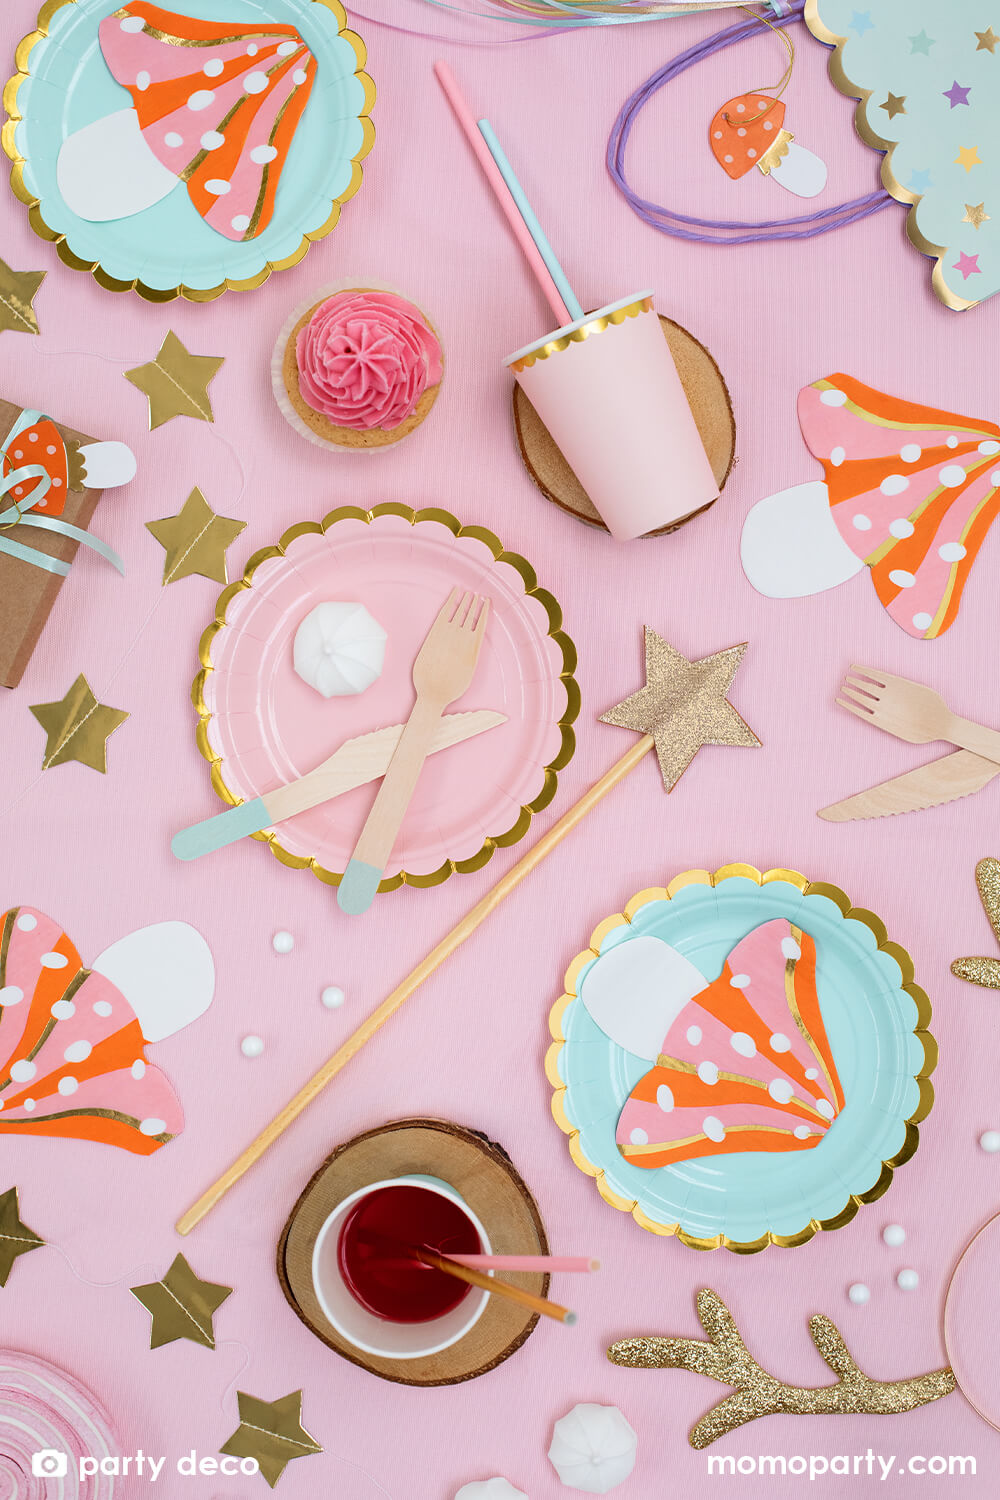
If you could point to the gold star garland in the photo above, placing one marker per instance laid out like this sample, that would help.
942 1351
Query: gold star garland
176 383
272 1433
17 294
15 1237
195 540
181 1306
77 727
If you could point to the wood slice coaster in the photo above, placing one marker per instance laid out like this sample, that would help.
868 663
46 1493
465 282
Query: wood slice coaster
484 1176
713 412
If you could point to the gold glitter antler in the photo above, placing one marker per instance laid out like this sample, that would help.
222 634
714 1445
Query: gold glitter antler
725 1358
984 971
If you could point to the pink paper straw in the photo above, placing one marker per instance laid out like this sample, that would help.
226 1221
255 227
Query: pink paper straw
527 1262
463 114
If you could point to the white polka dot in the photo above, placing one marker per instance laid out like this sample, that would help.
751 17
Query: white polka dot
218 186
995 478
282 942
665 1098
68 1085
22 1070
152 1126
19 453
743 1044
29 1105
138 1069
812 1072
27 922
894 484
299 76
825 1108
894 1235
708 1073
255 83
858 1293
102 1008
780 1042
951 442
64 1010
742 130
53 961
922 620
286 49
989 447
32 437
990 1141
56 483
741 109
252 1046
901 578
212 140
802 1132
740 981
832 398
172 139
11 995
252 49
713 1128
728 158
751 153
951 476
213 67
908 1280
768 124
240 223
862 523
760 104
790 948
263 154
132 23
200 99
332 997
694 1035
951 551
901 527
639 1137
718 135
837 457
142 81
910 452
78 1051
780 1090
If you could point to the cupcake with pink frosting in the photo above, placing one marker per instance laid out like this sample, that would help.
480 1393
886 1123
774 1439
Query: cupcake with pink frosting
359 369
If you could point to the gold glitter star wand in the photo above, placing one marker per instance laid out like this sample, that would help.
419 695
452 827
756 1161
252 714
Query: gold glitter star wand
682 707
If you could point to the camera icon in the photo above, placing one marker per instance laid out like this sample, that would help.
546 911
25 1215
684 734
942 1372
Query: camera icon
49 1464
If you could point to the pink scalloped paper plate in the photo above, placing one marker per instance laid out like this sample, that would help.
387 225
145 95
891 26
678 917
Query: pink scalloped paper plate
970 1323
261 726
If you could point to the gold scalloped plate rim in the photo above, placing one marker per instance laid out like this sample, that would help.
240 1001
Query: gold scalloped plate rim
866 130
922 1078
22 58
532 590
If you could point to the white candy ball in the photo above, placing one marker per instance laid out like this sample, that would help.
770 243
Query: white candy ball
252 1046
858 1293
907 1280
283 942
894 1234
332 997
990 1140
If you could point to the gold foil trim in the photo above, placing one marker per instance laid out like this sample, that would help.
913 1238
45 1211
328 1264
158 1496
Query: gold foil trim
854 1200
592 326
68 256
775 151
553 613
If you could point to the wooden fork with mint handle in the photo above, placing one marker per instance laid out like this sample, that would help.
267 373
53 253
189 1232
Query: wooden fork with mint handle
913 712
442 672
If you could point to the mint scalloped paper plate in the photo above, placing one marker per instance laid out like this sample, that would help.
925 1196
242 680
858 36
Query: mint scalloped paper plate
170 249
759 1010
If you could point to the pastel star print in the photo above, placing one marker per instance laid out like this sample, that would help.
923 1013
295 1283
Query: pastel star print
920 181
975 214
861 21
895 105
957 94
921 43
968 157
986 41
968 265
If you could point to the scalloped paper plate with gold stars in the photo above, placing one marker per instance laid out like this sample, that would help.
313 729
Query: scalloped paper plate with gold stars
872 1023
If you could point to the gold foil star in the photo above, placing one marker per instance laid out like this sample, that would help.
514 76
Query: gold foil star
181 1306
77 727
968 157
684 705
984 971
986 41
975 214
895 105
272 1433
176 383
17 293
195 540
15 1238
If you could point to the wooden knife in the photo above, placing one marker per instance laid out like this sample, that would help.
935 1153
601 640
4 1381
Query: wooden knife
958 774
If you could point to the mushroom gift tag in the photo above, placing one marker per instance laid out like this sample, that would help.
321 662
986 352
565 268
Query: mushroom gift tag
748 132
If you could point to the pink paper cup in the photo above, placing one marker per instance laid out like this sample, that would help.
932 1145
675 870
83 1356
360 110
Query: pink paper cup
608 391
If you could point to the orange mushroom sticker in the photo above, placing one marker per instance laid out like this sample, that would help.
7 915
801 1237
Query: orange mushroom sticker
749 131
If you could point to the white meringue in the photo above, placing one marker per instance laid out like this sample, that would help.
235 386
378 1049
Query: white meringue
339 649
490 1489
593 1448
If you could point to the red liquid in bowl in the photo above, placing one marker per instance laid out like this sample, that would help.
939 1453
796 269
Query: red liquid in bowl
382 1273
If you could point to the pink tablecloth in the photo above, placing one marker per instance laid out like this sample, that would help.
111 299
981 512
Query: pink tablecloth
94 851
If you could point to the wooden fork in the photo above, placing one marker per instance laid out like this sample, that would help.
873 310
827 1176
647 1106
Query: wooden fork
913 712
442 672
